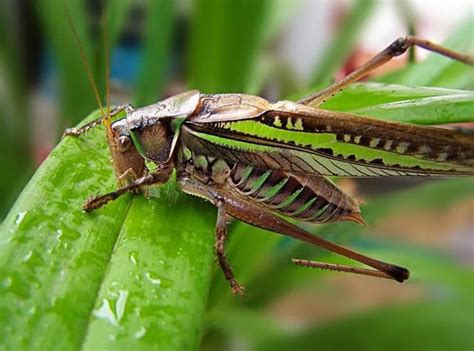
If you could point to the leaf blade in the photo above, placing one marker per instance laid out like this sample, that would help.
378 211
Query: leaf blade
55 258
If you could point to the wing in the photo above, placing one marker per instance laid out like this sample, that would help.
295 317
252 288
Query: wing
301 139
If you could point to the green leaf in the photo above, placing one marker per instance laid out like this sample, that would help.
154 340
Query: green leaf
123 277
404 104
418 105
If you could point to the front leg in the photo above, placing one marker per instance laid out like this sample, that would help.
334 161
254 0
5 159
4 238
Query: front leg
160 176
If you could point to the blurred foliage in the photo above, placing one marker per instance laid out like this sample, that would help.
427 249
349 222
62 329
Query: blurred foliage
13 115
126 277
344 42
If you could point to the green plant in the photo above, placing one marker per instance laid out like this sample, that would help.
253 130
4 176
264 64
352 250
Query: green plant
139 272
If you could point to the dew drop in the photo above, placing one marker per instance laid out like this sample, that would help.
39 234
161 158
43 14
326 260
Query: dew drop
133 258
7 282
105 312
121 302
140 333
32 310
154 281
19 217
27 256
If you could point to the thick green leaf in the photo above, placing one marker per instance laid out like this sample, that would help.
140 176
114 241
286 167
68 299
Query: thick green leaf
418 105
122 277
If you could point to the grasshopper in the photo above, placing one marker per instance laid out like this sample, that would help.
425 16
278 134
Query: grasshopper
263 163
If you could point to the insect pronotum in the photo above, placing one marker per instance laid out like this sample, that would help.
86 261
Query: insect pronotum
263 162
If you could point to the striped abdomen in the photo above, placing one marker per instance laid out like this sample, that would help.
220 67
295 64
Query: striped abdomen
311 198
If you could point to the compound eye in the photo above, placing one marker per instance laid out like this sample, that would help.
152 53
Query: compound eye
123 143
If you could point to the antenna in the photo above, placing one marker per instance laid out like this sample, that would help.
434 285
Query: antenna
107 119
85 61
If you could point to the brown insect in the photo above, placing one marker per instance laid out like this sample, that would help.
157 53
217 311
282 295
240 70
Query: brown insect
262 162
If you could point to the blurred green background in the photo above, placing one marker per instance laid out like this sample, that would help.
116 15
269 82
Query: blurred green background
270 48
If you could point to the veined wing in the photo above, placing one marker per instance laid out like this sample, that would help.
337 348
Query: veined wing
301 139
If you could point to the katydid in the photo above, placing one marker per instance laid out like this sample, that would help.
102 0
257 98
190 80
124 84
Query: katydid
262 162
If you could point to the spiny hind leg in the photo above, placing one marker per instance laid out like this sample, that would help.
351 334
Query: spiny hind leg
397 48
195 187
340 268
253 214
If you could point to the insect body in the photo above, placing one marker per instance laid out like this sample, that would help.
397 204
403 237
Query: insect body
263 162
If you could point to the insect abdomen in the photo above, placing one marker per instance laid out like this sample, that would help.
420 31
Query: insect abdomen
312 198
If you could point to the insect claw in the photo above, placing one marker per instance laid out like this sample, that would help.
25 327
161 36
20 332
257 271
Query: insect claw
238 290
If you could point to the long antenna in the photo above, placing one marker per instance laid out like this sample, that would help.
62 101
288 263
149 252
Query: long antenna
107 119
85 62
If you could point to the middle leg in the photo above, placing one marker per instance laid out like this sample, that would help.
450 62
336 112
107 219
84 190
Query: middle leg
221 236
194 187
